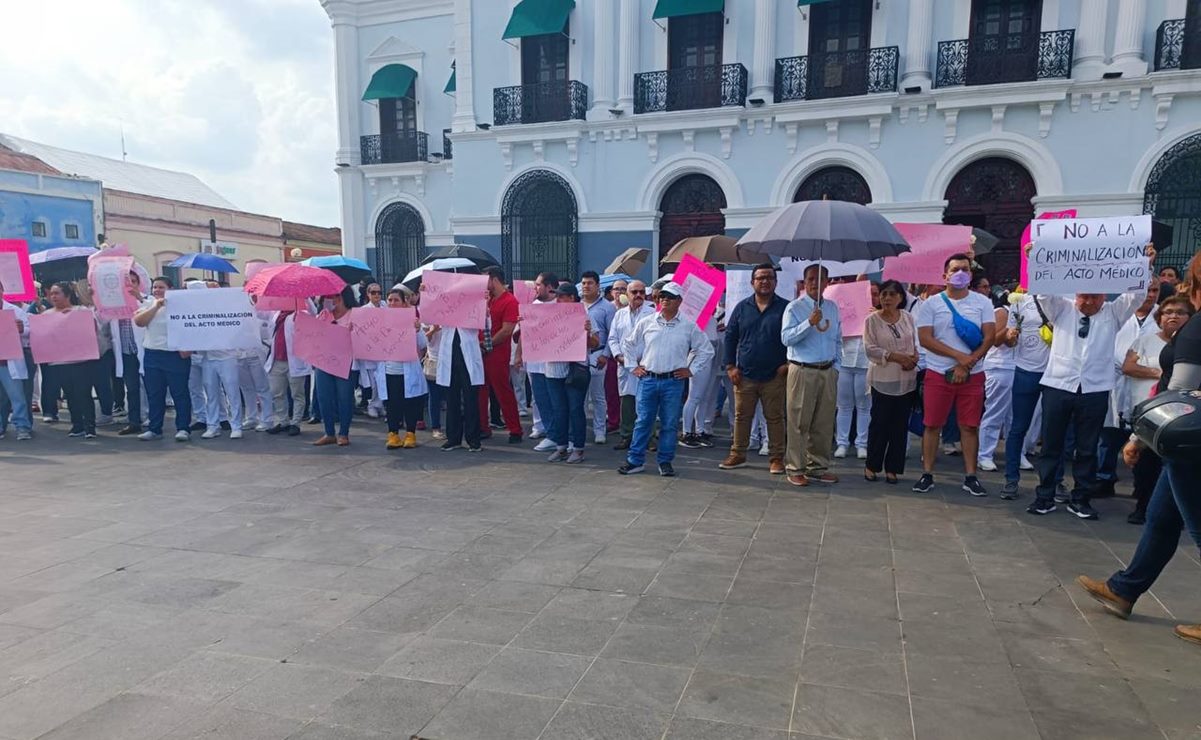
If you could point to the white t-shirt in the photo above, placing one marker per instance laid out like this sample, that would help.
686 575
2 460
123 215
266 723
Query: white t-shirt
1147 347
936 314
1031 353
156 330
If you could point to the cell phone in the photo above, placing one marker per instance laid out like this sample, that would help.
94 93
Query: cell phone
949 375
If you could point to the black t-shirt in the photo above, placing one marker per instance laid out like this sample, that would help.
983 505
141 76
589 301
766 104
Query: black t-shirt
1184 347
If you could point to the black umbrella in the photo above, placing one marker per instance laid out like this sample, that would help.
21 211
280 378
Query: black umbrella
983 242
481 258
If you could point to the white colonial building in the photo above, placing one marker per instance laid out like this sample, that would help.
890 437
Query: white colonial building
556 133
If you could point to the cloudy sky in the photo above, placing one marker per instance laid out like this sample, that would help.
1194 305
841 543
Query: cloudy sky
237 92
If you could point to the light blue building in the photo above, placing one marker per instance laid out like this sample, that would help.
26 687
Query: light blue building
556 133
45 208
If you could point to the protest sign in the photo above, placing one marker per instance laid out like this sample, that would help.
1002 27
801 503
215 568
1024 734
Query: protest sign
1024 272
795 268
278 303
524 291
57 336
10 337
1090 255
554 332
384 334
702 286
738 287
323 344
109 280
16 274
854 302
453 299
211 319
930 245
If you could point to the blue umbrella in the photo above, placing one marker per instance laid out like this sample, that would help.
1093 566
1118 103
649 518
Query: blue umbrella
202 261
347 268
607 281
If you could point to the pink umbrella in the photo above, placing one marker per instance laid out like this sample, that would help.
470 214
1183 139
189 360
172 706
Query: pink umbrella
294 281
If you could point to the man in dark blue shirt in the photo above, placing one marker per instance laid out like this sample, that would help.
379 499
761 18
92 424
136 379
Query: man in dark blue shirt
758 368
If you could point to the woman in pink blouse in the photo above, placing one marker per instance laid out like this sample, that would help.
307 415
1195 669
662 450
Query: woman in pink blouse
890 341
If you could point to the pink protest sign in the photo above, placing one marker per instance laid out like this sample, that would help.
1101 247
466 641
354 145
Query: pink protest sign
10 337
554 332
452 299
277 303
1024 278
109 280
702 285
323 344
524 291
930 246
384 334
56 336
854 304
16 274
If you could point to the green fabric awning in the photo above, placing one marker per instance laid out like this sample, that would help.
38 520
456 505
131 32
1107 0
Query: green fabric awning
450 88
537 18
675 8
803 3
391 81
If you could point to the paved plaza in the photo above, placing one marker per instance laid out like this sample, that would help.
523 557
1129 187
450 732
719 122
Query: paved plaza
262 589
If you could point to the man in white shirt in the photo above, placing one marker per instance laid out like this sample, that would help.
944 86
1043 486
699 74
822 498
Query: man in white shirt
663 351
1076 388
622 327
600 313
954 375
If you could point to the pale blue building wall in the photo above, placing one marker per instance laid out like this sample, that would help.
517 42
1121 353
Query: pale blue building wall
57 202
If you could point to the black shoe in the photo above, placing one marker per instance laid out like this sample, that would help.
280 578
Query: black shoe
129 430
1105 489
475 448
629 469
313 420
666 470
225 426
1041 507
690 441
90 434
1061 494
705 440
448 446
497 424
275 429
197 426
1083 510
1138 516
514 439
1009 491
74 433
971 484
925 484
293 431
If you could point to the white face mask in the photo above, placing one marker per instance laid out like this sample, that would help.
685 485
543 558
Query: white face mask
328 304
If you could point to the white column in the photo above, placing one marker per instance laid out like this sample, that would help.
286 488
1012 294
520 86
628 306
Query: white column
627 57
763 62
1128 57
602 61
348 93
464 117
918 46
354 215
1090 40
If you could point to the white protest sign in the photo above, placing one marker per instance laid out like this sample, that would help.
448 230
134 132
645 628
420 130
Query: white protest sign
211 319
1090 255
739 286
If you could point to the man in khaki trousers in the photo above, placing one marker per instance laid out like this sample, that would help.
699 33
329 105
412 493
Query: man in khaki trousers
812 335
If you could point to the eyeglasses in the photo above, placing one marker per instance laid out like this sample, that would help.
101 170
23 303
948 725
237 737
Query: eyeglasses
1086 322
894 331
1173 313
373 292
636 292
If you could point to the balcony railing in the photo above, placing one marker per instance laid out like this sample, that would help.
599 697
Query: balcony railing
837 74
988 60
447 148
394 147
565 100
1178 45
690 88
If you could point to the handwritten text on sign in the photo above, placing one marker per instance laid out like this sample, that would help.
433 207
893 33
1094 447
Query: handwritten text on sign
55 336
452 299
16 274
384 335
554 332
324 345
854 302
1090 255
10 337
109 279
212 319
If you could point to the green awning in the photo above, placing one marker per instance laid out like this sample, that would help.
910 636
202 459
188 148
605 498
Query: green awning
391 81
803 3
675 8
450 88
537 18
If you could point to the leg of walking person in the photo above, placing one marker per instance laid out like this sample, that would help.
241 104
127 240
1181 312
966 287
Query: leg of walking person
1058 407
102 383
612 397
644 421
1088 420
344 398
469 398
506 397
72 380
1146 473
394 408
558 416
132 385
178 374
1156 547
897 431
412 413
327 397
51 392
599 407
155 376
845 410
14 393
746 397
800 410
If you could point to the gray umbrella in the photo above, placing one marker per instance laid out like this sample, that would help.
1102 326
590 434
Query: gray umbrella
825 230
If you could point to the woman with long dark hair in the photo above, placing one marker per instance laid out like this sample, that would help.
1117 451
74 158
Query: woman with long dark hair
163 369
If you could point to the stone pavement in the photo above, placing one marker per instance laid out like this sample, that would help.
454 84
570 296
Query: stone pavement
264 589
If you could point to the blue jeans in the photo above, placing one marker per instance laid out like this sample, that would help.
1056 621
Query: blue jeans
1026 392
1175 506
162 371
661 398
1108 450
14 390
538 385
336 397
567 411
437 394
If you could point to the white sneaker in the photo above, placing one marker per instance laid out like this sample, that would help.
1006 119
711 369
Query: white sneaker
861 453
183 436
372 412
262 426
235 434
148 435
986 465
763 450
840 451
545 445
210 433
1024 463
576 456
537 433
948 450
523 413
600 440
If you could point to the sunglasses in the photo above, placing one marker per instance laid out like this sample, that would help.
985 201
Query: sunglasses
637 292
373 292
1086 323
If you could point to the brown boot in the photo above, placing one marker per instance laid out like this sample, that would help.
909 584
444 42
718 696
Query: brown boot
733 461
1113 603
1189 633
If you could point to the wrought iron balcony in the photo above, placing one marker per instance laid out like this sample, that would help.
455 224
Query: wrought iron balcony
565 100
837 74
447 147
690 88
394 147
988 60
1178 45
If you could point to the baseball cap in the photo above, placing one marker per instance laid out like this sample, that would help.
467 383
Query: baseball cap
672 288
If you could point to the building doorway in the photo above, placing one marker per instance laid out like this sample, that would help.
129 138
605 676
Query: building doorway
994 194
691 206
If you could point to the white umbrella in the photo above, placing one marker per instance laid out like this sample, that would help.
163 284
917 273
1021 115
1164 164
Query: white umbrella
452 264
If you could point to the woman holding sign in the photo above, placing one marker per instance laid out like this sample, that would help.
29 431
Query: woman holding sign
567 385
335 395
76 377
163 368
405 385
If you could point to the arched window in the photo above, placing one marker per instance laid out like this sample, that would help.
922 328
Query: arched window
1173 196
399 242
835 183
994 194
539 227
691 206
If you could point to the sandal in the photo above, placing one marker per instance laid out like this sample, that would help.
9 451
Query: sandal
869 476
891 479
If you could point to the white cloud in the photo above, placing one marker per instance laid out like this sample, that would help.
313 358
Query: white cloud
237 92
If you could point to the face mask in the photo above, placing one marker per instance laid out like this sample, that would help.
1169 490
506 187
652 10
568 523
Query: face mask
623 300
328 304
959 280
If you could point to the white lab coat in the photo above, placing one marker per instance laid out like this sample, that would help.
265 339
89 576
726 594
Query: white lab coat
297 368
619 330
139 337
1119 398
17 369
469 342
415 383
